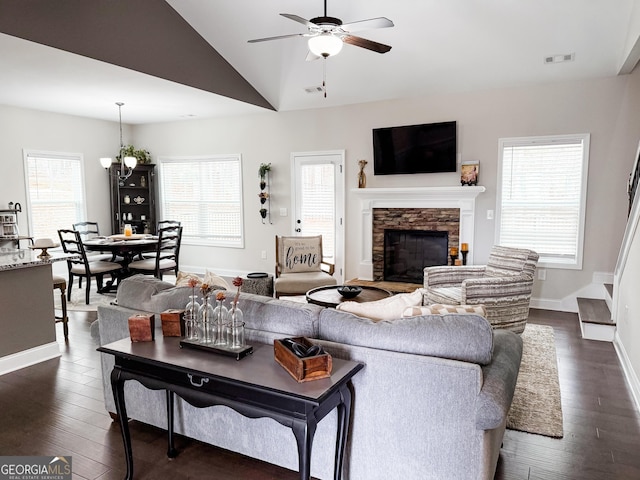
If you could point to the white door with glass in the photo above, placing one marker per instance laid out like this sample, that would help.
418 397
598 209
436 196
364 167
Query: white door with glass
318 202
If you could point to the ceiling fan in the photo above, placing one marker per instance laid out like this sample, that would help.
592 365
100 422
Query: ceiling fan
328 34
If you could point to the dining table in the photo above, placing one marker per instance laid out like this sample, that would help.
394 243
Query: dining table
126 247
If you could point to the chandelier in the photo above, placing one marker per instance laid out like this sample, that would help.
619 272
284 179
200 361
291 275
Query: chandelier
127 164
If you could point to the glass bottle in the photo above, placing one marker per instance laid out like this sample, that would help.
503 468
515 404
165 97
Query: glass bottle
220 314
235 327
193 307
205 317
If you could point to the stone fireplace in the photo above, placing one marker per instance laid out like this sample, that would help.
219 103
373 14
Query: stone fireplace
423 226
425 209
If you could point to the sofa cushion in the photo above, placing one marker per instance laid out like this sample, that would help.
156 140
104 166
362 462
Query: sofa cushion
150 294
464 337
386 309
440 309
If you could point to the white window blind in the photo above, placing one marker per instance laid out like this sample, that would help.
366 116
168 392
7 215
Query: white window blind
541 196
205 194
55 191
317 191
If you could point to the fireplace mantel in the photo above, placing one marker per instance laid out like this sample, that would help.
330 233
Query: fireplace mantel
462 197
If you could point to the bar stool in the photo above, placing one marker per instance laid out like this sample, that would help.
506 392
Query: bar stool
61 284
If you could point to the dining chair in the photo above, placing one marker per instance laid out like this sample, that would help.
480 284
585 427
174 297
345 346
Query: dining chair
161 224
167 254
300 266
81 266
87 231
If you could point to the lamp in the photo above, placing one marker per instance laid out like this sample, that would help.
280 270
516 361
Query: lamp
127 164
325 45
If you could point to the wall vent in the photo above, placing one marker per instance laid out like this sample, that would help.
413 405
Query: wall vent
314 89
565 57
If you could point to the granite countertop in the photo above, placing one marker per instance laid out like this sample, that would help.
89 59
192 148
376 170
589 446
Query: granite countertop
11 258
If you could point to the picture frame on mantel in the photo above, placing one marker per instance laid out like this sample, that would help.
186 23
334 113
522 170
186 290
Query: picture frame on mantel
469 171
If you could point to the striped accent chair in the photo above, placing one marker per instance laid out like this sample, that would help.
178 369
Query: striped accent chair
503 286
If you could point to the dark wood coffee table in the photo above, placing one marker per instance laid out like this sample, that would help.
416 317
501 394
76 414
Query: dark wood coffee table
330 297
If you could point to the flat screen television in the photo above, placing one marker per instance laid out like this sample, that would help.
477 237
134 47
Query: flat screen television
427 148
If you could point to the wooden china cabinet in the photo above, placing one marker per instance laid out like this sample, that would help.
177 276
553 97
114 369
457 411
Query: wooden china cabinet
133 200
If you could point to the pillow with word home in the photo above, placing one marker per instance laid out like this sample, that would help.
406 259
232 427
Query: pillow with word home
301 254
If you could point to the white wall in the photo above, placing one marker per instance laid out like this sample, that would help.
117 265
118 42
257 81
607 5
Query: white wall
578 107
31 129
600 107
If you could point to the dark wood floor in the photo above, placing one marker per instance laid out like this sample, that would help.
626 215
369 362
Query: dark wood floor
56 408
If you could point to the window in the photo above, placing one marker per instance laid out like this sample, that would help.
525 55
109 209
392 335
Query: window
542 186
205 194
55 191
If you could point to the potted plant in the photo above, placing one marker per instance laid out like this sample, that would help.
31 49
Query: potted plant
262 172
263 197
263 212
142 155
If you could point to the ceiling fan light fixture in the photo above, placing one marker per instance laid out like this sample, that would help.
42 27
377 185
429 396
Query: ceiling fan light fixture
325 45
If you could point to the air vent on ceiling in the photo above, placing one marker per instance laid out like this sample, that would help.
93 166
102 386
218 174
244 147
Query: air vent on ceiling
566 57
314 89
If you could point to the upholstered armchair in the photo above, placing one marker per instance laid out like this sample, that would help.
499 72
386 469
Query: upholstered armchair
503 286
300 266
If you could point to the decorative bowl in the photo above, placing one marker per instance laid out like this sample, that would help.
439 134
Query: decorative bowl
349 291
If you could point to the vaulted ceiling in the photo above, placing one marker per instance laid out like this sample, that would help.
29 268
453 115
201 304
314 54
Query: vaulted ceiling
190 58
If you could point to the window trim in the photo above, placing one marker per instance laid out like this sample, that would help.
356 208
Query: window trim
550 262
26 153
199 241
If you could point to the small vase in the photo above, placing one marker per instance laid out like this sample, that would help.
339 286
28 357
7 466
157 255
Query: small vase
191 329
235 328
263 184
205 317
263 200
193 307
362 179
220 314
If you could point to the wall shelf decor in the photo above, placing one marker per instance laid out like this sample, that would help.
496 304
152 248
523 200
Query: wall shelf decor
264 195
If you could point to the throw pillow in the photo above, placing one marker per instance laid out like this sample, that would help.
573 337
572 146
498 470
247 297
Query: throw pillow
386 309
210 278
301 254
440 309
182 279
215 281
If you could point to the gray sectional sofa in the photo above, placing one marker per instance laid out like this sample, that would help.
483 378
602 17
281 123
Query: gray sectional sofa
431 402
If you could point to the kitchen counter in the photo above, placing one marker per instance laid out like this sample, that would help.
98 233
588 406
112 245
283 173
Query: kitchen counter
11 258
26 308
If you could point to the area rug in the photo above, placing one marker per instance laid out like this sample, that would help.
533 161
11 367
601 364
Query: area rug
537 406
78 302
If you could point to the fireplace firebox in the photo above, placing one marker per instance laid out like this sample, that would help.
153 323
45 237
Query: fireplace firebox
407 252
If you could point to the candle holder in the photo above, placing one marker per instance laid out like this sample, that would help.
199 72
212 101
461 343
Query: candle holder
453 253
464 250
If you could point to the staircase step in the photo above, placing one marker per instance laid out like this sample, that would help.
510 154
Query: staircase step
595 320
592 310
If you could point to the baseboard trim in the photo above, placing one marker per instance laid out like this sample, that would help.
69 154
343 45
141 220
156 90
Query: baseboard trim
26 358
627 368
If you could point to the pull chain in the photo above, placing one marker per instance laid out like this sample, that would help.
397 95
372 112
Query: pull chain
324 76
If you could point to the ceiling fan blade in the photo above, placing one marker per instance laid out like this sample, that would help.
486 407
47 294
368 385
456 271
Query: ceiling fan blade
379 22
256 40
364 43
298 19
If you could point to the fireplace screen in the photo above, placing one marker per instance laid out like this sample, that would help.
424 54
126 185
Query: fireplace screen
407 252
